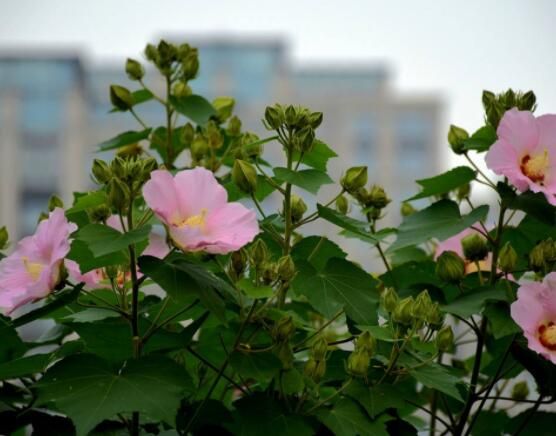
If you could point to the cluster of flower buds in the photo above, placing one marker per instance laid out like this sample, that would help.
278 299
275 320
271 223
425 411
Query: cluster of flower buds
496 105
170 59
373 200
123 178
360 359
416 312
450 267
315 367
299 121
542 258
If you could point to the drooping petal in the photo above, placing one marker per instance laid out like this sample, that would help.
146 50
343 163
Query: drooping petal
52 235
199 190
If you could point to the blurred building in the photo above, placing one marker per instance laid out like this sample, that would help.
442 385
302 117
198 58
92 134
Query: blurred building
55 109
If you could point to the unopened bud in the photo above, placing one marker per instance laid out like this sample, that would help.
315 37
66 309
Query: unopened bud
290 116
151 52
283 329
407 209
101 172
342 204
190 65
527 101
234 126
4 237
298 208
121 97
286 268
358 363
181 90
315 119
377 198
354 179
366 342
274 117
238 261
315 369
319 348
55 202
450 267
199 148
422 306
474 247
403 313
456 138
119 168
224 107
244 176
134 69
435 318
250 146
520 391
389 299
100 213
118 194
507 258
445 339
187 134
305 139
258 253
269 272
463 191
284 352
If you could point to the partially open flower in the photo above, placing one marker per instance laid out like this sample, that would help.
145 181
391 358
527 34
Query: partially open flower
193 206
535 312
34 269
526 152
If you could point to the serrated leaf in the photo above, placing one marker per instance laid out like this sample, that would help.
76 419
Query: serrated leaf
376 399
347 419
481 140
253 291
102 240
258 366
139 96
318 157
444 183
472 302
126 138
196 108
86 201
437 377
317 250
311 180
24 366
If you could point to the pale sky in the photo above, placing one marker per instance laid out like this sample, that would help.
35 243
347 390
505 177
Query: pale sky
451 48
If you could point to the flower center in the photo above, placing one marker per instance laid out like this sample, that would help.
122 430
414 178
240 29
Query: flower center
33 269
535 167
547 335
195 220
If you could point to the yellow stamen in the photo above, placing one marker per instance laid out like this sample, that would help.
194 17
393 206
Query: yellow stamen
195 220
34 269
535 167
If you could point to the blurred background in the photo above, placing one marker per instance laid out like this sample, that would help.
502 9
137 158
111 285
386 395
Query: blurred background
389 76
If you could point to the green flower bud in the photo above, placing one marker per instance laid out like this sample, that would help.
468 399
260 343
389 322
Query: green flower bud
298 208
445 339
121 97
315 119
407 209
315 369
456 138
119 168
199 148
377 198
224 107
389 299
474 247
269 272
366 342
4 237
101 172
118 194
187 134
244 176
463 191
238 261
290 116
283 329
258 253
151 53
434 318
42 216
130 151
147 167
507 258
112 272
543 256
358 363
274 117
319 348
342 204
286 268
214 135
55 202
520 391
134 69
403 313
422 306
354 179
450 267
250 146
190 65
527 102
284 352
304 139
234 126
181 90
100 213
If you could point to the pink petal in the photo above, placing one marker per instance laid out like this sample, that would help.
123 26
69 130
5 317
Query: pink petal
198 189
519 128
52 235
503 159
161 196
157 246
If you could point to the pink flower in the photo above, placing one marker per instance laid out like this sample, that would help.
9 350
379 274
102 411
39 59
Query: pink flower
525 152
32 271
194 207
454 244
535 312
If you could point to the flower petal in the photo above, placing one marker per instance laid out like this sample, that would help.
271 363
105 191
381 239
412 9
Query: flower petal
198 189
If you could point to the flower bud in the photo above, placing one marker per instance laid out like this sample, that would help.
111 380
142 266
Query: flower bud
389 299
234 126
55 202
101 172
290 116
434 318
304 139
134 69
250 147
244 176
319 348
238 261
474 247
119 168
520 391
407 209
445 339
403 313
187 134
147 167
224 107
298 208
274 117
422 306
377 198
118 194
199 148
151 53
450 267
258 253
456 138
214 135
130 151
463 191
342 204
181 90
507 258
543 256
100 214
121 98
284 352
354 179
315 369
269 272
366 342
527 102
286 268
42 216
283 329
190 65
358 363
4 237
315 119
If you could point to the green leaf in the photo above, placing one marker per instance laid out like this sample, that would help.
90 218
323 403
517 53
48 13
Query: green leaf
264 189
318 157
258 366
472 302
24 366
440 220
311 180
501 322
533 204
341 285
139 96
253 291
89 390
87 201
194 107
539 424
159 142
436 377
376 399
445 182
103 240
347 419
481 140
316 250
11 345
126 138
81 254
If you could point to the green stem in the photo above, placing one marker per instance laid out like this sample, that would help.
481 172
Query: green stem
169 144
321 328
139 120
326 400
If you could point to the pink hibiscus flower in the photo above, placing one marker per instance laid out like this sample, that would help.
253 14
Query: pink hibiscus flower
32 271
454 244
525 152
535 312
193 206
